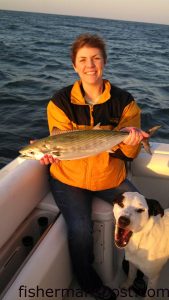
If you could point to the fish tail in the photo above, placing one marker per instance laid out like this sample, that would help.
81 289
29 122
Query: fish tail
145 141
153 130
146 146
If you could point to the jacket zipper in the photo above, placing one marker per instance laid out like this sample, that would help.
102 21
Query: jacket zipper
89 167
91 115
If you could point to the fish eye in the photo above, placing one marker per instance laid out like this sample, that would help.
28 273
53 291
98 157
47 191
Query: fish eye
140 210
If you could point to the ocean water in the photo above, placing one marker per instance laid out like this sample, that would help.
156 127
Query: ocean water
35 62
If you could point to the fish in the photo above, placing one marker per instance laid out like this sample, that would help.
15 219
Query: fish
77 144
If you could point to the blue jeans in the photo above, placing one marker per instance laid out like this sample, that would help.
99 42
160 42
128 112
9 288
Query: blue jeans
76 205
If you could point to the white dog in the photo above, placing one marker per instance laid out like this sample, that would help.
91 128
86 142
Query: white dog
142 228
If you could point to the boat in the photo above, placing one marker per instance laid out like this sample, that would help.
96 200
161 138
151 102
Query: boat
34 255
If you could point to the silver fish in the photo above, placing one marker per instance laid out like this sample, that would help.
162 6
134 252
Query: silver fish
76 144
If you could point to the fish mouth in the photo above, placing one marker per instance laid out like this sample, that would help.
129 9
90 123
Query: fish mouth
122 236
26 156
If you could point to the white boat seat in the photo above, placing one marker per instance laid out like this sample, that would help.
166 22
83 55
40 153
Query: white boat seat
20 192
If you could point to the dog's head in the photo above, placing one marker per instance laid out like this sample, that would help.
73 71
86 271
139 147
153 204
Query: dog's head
131 212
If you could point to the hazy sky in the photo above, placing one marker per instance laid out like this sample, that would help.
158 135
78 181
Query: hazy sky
154 11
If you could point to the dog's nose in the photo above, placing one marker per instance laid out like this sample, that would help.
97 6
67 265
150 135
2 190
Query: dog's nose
123 221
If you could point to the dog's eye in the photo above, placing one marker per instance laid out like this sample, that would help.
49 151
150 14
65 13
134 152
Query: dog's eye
139 210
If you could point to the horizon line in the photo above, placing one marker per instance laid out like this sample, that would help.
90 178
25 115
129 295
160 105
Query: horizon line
70 15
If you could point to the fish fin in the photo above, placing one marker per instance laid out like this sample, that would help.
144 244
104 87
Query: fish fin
97 127
110 151
56 131
55 153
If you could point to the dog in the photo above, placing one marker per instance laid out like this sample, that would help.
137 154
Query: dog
142 229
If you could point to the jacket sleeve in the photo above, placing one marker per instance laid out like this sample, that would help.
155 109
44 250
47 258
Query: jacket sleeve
130 117
57 118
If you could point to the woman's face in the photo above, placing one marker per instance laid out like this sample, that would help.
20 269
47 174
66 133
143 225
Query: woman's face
89 64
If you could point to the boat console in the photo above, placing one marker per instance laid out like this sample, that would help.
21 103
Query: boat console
34 255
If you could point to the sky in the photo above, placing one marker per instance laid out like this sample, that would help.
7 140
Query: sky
151 11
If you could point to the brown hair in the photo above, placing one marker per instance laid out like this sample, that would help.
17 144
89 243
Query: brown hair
88 40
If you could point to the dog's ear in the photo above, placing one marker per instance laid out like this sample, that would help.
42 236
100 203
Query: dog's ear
119 200
154 208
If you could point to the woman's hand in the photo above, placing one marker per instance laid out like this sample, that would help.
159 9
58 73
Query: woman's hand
47 158
135 136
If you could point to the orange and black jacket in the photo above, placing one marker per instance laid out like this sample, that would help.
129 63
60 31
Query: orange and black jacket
115 109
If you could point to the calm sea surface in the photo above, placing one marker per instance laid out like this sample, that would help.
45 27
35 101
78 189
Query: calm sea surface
34 63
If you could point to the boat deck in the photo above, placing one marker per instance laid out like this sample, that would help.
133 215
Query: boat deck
74 293
160 293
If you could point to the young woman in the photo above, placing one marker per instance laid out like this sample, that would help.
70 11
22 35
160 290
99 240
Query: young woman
89 101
